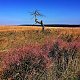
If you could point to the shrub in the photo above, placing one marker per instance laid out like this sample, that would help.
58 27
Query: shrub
30 65
61 54
67 37
25 62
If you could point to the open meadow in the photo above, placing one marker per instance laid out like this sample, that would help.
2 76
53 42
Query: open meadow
28 53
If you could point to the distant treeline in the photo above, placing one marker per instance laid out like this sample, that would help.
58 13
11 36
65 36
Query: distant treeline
52 25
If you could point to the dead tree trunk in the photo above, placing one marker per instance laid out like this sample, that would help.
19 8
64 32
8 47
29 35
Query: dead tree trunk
42 25
41 22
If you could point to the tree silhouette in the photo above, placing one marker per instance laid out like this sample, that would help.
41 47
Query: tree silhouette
36 14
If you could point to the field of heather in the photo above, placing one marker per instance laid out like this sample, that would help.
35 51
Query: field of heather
27 53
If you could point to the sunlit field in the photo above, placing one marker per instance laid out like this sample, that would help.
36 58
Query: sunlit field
28 53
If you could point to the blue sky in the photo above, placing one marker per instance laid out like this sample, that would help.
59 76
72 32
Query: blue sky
14 12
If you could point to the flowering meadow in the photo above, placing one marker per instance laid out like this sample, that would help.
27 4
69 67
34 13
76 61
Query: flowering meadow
35 55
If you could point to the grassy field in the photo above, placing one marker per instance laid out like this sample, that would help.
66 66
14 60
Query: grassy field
58 49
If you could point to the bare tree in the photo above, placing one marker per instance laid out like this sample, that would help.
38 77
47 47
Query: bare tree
36 13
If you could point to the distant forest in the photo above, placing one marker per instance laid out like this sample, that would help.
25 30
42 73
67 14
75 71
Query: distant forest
52 25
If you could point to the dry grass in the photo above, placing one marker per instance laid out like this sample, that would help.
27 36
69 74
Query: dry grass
15 36
23 28
18 28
